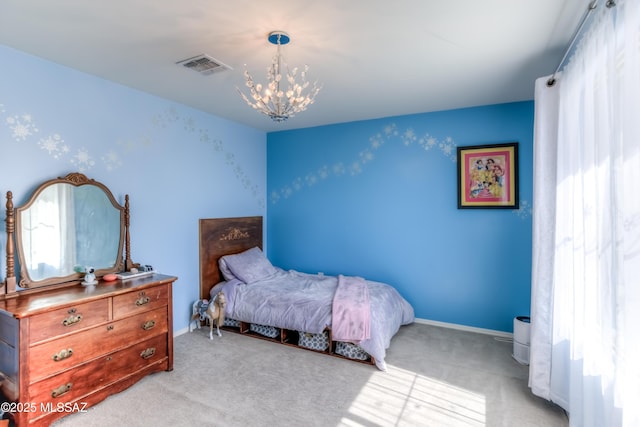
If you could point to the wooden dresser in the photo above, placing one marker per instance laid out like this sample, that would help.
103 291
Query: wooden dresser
69 348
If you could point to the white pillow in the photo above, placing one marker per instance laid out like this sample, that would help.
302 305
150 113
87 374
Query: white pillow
248 266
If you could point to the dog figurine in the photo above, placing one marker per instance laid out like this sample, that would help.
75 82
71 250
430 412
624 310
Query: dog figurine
215 313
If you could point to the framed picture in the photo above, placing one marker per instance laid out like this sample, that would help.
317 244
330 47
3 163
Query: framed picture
488 176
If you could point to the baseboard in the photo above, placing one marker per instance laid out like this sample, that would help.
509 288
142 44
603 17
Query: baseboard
180 331
465 328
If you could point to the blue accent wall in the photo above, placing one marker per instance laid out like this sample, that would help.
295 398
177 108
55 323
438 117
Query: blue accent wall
177 164
378 199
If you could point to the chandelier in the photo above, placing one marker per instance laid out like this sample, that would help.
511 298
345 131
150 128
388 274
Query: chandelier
283 96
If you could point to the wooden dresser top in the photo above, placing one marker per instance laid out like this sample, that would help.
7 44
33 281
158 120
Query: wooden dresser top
31 303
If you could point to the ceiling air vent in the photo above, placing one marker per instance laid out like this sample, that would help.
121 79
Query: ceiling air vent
204 64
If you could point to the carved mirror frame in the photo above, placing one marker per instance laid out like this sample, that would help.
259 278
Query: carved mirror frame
14 240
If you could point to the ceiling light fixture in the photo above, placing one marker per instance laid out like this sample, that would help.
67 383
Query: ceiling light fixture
273 99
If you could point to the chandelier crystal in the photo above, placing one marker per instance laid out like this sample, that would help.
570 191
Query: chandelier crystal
283 96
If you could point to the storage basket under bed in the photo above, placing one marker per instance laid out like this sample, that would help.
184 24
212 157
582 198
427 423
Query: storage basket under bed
232 323
311 341
351 351
264 330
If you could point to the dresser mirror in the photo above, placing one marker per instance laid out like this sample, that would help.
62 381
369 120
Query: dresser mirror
68 225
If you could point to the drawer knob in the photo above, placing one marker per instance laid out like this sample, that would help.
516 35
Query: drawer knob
148 353
62 354
71 320
57 392
142 300
149 324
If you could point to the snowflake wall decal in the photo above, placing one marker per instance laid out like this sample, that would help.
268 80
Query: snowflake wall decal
82 160
54 145
21 127
390 133
190 125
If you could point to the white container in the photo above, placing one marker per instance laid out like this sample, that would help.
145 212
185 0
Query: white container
521 330
521 353
521 339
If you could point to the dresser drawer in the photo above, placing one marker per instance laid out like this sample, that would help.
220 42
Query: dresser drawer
134 302
68 319
53 356
82 380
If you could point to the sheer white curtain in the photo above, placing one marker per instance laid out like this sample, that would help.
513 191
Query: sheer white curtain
585 308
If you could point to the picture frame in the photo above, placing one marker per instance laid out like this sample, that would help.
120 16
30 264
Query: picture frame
488 176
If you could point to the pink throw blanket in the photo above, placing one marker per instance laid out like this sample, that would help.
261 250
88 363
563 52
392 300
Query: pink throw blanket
351 315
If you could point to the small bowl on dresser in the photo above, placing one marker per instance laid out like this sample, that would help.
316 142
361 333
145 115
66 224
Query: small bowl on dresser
109 277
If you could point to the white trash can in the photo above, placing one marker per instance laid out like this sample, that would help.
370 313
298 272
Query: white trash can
521 339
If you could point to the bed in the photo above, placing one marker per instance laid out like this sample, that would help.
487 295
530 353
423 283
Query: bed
343 316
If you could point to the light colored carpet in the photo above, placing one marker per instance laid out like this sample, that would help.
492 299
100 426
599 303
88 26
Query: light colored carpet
436 377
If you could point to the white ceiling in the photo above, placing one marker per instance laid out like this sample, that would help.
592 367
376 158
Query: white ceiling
374 58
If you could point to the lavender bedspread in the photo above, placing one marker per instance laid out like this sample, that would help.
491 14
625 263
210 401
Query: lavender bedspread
303 302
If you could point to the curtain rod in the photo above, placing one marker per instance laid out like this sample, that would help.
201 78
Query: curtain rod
592 6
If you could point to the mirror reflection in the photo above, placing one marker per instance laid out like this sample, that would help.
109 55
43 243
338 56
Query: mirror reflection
67 228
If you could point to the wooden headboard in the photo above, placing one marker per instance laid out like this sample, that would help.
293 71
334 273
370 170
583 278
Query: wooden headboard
224 236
